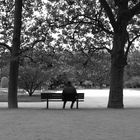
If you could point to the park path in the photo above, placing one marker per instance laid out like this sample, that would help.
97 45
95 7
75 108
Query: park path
93 99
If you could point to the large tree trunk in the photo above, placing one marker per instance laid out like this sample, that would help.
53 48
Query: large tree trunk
116 87
13 78
118 58
118 62
14 62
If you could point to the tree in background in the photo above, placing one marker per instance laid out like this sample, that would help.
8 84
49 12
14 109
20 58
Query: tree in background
31 79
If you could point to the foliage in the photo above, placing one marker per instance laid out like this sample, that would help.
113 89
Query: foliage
79 25
133 82
133 67
132 71
58 82
30 79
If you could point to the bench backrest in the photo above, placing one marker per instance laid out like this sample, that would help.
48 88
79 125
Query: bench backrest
58 95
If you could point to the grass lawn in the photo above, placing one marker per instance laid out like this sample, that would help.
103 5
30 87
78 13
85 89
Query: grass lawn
58 124
22 98
92 121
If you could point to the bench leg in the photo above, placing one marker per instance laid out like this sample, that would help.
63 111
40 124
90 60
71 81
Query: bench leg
47 103
77 104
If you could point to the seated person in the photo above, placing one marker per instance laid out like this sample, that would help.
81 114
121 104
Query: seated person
69 94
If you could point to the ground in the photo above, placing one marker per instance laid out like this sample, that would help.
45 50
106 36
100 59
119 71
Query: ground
58 124
92 121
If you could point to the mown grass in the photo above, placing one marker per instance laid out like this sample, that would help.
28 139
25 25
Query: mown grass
22 98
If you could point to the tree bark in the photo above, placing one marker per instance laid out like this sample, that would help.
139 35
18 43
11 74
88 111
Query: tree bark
13 82
118 62
116 87
14 62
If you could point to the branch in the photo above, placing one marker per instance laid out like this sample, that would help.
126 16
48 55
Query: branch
37 41
103 48
33 44
78 21
130 43
93 21
2 33
109 13
100 25
5 45
135 10
75 22
30 58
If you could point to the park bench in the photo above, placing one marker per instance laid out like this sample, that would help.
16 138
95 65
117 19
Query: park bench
57 97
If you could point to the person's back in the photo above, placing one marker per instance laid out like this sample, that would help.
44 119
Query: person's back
69 90
69 94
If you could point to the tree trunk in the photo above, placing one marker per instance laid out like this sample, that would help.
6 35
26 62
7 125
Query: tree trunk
13 78
14 62
116 87
118 62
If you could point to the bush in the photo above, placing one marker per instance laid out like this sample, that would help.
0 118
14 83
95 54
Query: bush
134 82
58 82
87 84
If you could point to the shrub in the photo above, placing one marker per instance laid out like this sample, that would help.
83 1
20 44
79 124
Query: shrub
87 84
58 82
133 82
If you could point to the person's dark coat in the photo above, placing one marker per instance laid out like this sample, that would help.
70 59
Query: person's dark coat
69 93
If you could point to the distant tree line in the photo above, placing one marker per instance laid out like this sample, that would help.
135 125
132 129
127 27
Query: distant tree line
37 72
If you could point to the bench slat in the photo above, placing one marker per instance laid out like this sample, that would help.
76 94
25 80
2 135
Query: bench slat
58 95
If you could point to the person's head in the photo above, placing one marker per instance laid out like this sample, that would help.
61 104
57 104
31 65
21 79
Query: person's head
68 83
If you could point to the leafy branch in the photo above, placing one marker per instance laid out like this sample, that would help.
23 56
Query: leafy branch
6 46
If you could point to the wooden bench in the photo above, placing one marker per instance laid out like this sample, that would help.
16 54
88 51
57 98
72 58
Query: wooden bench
57 97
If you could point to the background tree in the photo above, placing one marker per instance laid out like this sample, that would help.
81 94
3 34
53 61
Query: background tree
31 79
